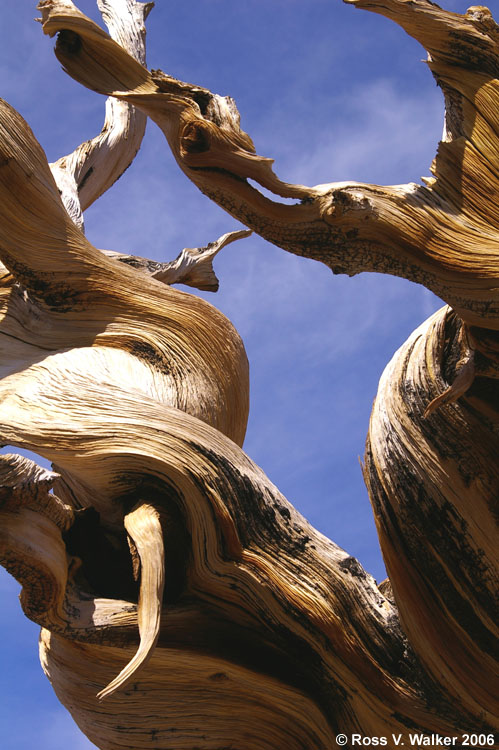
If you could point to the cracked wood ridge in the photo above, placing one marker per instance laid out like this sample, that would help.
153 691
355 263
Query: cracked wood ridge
184 603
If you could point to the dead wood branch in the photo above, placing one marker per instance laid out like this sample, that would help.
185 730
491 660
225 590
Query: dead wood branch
252 629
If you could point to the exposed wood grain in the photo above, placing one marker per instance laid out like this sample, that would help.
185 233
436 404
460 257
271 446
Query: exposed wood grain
442 234
159 560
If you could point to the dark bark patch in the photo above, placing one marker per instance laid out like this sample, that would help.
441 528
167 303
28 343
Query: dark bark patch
144 350
85 178
218 677
353 566
195 138
57 295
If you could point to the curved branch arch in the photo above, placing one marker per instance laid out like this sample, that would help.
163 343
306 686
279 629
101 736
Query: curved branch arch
443 234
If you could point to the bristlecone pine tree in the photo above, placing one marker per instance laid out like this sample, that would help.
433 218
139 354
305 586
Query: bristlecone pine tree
184 603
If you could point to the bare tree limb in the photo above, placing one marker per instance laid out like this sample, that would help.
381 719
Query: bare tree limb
438 234
92 168
193 267
84 175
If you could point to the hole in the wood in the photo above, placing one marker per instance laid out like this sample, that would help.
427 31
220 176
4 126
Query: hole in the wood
27 454
106 568
68 42
273 196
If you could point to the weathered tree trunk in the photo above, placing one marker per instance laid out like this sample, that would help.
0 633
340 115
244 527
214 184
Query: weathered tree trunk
184 603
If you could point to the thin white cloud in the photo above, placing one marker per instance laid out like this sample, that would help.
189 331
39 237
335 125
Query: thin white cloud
382 133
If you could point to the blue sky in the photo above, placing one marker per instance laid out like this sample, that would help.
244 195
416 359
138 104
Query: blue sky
331 93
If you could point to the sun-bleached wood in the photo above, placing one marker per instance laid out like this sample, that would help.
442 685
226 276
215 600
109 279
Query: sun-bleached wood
433 481
192 267
91 169
442 234
158 559
145 537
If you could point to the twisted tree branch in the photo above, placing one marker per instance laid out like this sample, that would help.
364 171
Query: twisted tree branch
443 234
255 631
92 168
